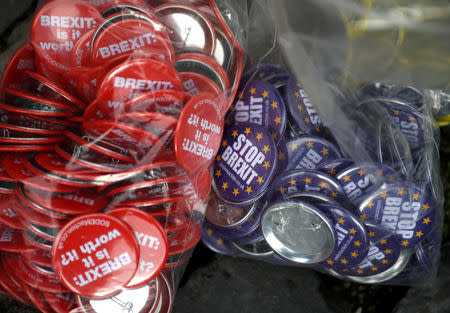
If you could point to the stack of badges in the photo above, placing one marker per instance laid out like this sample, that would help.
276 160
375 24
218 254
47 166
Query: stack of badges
112 115
285 192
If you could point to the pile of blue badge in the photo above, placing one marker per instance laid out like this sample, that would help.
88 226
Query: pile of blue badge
287 193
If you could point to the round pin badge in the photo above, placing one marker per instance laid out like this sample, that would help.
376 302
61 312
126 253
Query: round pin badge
13 263
385 259
306 181
214 240
189 29
198 133
352 238
204 65
336 166
262 71
255 250
406 210
298 231
185 239
81 53
52 91
410 94
152 243
12 240
302 110
55 29
245 164
14 75
34 125
132 78
127 34
8 215
309 152
11 288
408 120
40 257
95 255
195 83
259 103
82 201
360 180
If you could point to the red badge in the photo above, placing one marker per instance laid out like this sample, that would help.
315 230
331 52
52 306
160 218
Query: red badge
13 263
14 75
8 215
33 124
40 257
56 28
131 35
81 53
133 78
95 255
152 242
83 201
194 83
11 287
198 133
11 240
14 164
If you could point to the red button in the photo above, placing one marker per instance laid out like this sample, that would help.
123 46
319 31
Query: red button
152 242
133 78
81 53
198 133
95 255
134 35
83 201
11 287
8 215
194 83
14 263
34 125
12 240
56 28
14 75
49 90
43 258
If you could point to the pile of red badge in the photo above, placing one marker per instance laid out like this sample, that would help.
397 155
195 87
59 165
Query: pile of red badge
110 118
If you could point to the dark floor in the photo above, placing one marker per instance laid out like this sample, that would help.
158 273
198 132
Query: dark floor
215 283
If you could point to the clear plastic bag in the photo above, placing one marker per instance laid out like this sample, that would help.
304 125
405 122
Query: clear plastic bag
111 115
328 102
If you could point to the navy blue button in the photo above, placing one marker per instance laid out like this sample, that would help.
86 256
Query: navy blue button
334 167
301 110
306 181
309 152
262 71
352 238
360 180
406 210
261 104
245 164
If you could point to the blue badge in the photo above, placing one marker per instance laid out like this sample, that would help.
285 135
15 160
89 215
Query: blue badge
404 209
309 152
259 103
245 164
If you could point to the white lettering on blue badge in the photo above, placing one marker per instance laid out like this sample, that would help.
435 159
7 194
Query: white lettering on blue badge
242 157
374 254
400 216
249 113
353 191
315 119
310 160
